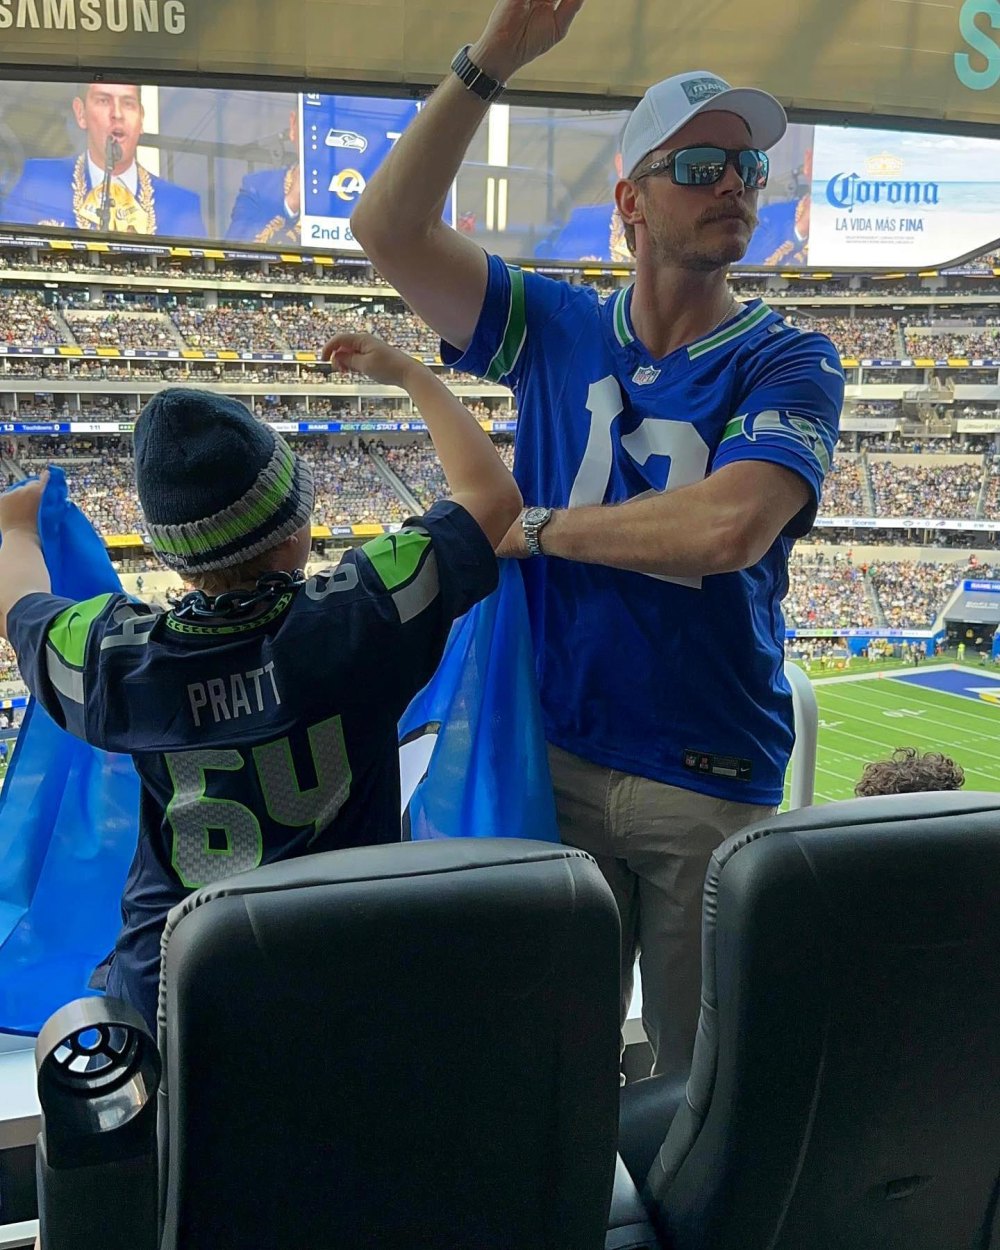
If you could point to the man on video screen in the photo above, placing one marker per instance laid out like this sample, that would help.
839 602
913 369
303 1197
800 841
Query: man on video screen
104 188
269 202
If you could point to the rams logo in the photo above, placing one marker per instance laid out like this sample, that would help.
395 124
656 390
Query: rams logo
347 185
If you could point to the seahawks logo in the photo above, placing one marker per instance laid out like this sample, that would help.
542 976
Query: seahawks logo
772 424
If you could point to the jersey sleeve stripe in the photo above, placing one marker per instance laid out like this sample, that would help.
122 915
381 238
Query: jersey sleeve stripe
515 331
420 593
65 680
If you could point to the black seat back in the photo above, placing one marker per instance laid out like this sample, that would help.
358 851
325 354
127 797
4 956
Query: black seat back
406 1046
845 1091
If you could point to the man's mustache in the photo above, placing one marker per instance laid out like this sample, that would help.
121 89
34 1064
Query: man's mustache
748 218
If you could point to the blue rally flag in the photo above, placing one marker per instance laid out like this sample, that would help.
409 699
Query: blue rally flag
69 812
473 739
68 818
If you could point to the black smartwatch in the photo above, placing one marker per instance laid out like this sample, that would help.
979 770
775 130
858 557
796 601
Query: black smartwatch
477 80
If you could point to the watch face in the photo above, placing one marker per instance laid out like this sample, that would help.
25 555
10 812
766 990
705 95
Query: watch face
536 516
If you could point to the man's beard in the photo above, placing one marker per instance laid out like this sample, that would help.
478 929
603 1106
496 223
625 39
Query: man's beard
693 250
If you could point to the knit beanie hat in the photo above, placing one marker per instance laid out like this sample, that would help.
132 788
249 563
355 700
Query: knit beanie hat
217 486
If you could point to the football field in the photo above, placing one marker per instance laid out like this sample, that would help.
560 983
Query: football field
947 708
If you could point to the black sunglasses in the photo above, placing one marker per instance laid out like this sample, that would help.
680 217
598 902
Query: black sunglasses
705 166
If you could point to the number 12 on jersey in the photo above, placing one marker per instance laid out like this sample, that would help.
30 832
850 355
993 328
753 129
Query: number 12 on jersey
676 441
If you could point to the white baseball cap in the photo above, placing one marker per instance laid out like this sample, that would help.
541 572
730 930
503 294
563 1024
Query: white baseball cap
667 105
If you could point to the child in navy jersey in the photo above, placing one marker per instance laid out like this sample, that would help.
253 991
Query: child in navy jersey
261 712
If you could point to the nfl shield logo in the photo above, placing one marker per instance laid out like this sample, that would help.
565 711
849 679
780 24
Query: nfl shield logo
644 375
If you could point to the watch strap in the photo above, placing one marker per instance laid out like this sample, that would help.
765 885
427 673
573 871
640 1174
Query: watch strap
474 78
532 532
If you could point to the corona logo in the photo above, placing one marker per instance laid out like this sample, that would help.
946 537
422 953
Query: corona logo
883 166
347 185
845 191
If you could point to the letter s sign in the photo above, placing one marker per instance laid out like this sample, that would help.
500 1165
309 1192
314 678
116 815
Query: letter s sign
981 42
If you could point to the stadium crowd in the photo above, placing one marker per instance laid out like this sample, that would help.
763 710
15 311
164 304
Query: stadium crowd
296 327
912 592
418 468
9 674
119 329
286 323
947 491
349 487
26 322
842 490
939 346
827 594
859 337
229 329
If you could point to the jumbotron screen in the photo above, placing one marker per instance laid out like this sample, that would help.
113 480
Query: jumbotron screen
285 170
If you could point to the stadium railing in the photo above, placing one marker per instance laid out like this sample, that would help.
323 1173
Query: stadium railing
805 712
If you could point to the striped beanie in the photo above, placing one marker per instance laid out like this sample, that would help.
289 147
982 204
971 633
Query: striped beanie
217 486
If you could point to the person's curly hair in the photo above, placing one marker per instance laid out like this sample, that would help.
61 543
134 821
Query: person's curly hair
909 772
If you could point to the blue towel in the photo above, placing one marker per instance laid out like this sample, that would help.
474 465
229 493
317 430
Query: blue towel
488 772
69 813
68 818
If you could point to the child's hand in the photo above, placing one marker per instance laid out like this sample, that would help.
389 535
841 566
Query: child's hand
364 353
19 508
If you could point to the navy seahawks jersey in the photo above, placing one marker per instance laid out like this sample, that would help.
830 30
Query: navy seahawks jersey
676 679
255 739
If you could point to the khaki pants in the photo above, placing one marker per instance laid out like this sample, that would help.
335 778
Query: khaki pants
653 843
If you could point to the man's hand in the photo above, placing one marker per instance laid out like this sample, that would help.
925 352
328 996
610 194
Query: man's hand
518 31
19 508
512 545
364 353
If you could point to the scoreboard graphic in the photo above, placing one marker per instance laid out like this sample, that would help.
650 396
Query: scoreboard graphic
343 140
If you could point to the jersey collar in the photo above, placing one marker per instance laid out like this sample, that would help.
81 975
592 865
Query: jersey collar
620 311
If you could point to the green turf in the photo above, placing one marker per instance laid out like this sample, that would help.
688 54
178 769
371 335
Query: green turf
866 719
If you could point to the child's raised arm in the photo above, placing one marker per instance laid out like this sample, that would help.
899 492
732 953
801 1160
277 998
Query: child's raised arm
22 566
478 478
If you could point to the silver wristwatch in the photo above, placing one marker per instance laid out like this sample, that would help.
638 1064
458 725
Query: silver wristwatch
533 521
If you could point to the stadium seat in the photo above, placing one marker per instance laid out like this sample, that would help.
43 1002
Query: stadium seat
396 1046
845 1087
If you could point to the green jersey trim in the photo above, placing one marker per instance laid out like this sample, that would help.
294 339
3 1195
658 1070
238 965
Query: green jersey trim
229 627
619 320
70 630
742 325
395 557
515 332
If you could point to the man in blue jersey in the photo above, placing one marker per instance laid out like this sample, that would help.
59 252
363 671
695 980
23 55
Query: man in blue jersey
672 443
261 714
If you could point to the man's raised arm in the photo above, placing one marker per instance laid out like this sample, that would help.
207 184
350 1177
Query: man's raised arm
398 220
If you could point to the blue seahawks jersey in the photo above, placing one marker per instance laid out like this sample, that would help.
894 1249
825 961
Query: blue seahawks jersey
255 739
680 680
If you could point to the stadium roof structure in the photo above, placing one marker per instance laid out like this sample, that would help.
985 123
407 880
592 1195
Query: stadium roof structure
905 60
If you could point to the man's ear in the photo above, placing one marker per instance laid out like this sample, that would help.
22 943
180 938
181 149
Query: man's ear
627 198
